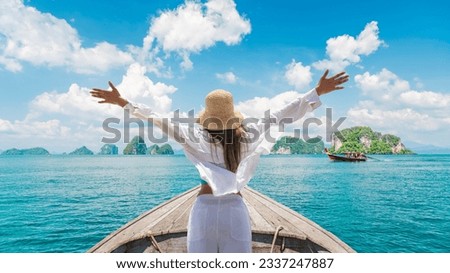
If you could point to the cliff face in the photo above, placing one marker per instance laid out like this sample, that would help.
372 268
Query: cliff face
397 149
109 149
336 143
363 139
137 146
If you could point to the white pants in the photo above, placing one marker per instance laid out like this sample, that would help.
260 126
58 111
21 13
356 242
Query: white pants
219 224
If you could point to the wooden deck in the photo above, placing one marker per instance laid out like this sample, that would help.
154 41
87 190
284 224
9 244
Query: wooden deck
163 228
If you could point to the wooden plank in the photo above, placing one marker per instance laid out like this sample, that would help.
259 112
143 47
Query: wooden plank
158 225
258 222
162 224
265 214
275 219
175 220
180 224
162 215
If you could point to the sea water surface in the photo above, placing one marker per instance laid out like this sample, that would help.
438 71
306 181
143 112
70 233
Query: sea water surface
63 203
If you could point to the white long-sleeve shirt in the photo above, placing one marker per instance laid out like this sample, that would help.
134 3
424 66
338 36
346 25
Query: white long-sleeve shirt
209 160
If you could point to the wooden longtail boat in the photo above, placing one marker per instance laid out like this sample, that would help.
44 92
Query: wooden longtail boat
348 157
275 228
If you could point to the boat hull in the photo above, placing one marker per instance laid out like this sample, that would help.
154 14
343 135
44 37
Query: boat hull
275 228
345 159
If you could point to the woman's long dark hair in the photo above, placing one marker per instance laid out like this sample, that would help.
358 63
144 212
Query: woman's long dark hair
231 141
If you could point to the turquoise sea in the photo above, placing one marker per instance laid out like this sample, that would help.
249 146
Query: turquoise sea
63 203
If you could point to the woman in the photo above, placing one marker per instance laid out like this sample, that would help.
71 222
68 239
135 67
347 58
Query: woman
225 150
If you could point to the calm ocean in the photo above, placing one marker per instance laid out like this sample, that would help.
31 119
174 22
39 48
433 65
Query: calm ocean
68 203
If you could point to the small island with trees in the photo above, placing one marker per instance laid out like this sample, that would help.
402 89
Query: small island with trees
362 139
137 146
294 145
82 151
359 139
31 151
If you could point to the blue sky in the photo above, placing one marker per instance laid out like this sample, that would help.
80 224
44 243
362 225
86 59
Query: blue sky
170 54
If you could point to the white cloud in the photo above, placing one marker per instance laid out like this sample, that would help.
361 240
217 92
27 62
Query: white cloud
49 129
137 86
28 35
227 77
393 107
195 26
5 125
298 75
425 99
258 105
390 89
345 50
77 101
75 118
10 64
384 86
398 119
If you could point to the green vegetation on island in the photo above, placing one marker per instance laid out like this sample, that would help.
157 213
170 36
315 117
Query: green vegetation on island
31 151
293 145
109 149
165 149
82 151
364 140
137 146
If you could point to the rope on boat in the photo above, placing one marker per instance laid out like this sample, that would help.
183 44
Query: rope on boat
275 235
154 243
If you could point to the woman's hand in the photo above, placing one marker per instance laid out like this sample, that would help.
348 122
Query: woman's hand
328 85
112 97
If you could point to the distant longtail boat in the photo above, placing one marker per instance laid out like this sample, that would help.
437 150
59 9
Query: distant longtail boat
347 157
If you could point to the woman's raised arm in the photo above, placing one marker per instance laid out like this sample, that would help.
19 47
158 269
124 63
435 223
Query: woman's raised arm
142 112
331 84
309 101
111 97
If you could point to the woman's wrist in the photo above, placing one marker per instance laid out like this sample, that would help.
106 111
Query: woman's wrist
122 102
319 90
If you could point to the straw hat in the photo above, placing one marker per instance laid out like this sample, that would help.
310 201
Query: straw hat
219 113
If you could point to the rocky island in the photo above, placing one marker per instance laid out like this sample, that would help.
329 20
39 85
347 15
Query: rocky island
293 145
81 151
31 151
165 149
109 149
137 146
364 140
